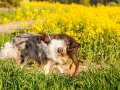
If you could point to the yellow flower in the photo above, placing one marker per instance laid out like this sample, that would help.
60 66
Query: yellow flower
5 21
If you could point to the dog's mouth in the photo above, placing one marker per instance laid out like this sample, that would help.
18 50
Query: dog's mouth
63 54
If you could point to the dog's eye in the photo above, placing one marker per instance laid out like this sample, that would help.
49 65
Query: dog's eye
60 50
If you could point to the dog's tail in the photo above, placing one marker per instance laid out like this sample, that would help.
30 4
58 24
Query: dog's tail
9 51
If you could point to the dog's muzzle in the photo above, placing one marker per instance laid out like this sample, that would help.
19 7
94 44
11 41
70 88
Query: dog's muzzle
61 51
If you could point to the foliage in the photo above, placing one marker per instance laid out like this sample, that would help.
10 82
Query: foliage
112 3
105 2
8 15
9 3
83 2
16 3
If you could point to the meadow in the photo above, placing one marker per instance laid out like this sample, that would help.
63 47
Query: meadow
95 28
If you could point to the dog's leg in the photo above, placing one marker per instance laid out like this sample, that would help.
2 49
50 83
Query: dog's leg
47 67
75 62
60 69
23 59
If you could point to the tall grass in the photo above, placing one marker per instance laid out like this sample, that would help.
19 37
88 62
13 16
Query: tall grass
7 37
14 78
100 79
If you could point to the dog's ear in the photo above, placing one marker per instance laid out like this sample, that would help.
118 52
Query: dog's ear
37 39
54 36
42 33
40 37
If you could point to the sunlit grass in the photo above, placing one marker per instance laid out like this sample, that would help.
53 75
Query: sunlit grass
102 78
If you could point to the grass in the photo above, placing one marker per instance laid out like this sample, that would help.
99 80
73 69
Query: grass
101 79
14 78
8 14
7 37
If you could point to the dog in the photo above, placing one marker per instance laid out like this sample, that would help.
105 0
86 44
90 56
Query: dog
24 47
72 46
56 52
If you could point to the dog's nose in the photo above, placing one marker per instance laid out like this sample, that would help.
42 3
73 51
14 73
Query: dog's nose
63 54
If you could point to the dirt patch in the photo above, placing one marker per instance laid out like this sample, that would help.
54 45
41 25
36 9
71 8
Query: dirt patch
12 27
7 9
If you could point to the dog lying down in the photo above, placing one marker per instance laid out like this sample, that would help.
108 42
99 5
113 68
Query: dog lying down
24 47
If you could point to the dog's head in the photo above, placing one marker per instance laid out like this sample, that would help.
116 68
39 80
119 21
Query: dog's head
61 51
62 54
62 48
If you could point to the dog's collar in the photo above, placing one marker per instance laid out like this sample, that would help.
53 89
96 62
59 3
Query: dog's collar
49 37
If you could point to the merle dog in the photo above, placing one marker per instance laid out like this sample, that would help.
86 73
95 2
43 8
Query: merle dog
72 46
23 47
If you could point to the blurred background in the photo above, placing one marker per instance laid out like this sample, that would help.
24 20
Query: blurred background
16 3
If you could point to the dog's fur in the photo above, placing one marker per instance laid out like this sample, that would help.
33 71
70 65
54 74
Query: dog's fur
55 54
23 47
72 45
